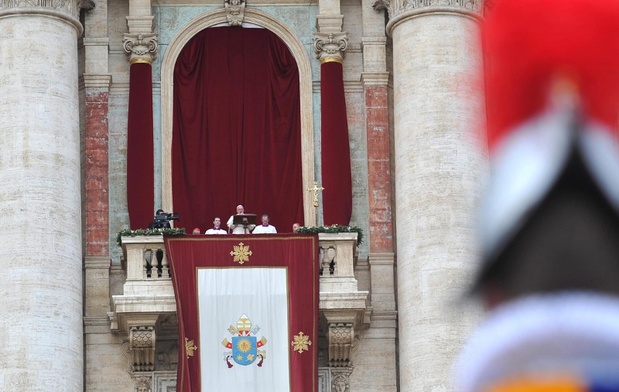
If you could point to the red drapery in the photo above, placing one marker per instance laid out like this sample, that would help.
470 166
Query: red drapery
336 171
298 253
236 132
140 164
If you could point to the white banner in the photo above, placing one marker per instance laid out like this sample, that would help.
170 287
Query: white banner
243 315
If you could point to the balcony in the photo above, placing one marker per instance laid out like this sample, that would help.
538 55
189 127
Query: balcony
148 296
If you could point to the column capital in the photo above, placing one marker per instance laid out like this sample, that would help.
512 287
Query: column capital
396 8
330 46
71 7
68 10
142 48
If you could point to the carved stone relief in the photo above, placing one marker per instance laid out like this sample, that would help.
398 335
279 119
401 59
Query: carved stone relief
142 342
341 341
340 379
235 12
142 383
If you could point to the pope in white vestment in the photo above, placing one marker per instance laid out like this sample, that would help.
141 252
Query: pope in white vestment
238 229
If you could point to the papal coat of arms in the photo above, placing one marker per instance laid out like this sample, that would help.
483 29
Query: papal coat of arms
244 347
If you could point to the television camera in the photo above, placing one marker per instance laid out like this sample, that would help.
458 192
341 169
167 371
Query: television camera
162 220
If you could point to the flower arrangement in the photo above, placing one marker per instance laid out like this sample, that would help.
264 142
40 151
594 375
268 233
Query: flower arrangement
133 233
333 229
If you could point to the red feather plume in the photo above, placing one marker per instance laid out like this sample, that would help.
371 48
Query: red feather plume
529 43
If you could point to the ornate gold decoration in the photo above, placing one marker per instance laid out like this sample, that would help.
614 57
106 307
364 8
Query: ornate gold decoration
190 348
316 189
241 253
301 343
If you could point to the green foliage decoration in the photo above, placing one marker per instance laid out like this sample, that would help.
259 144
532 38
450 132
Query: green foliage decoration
133 233
333 229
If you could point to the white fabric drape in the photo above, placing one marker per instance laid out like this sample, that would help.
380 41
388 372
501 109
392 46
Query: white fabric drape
224 296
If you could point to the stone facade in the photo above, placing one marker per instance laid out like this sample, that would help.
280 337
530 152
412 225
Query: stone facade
388 319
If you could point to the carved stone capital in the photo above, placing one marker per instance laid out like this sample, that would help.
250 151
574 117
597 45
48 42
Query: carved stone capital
70 7
340 379
142 48
68 10
235 11
142 344
330 46
397 7
341 342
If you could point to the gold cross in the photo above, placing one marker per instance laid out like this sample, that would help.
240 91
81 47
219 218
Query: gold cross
316 189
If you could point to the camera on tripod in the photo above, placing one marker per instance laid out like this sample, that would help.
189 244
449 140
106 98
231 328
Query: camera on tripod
167 216
162 220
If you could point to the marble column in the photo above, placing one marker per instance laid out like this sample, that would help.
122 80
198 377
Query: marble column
41 334
438 166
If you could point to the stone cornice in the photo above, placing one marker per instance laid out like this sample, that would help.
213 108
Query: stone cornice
98 81
142 48
375 79
399 10
330 46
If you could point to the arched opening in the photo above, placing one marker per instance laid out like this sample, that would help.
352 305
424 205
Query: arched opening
299 54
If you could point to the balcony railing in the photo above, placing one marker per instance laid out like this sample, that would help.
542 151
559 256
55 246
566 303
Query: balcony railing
148 294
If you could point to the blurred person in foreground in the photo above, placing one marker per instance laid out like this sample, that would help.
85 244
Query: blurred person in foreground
550 219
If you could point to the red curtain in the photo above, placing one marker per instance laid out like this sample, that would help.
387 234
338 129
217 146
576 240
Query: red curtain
335 157
298 253
237 128
140 164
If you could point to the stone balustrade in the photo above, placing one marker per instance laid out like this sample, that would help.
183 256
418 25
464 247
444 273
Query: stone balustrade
148 294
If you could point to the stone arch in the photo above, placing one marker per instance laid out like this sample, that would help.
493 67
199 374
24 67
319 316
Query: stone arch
305 89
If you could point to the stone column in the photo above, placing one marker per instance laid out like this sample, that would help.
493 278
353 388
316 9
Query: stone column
141 45
41 334
437 174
